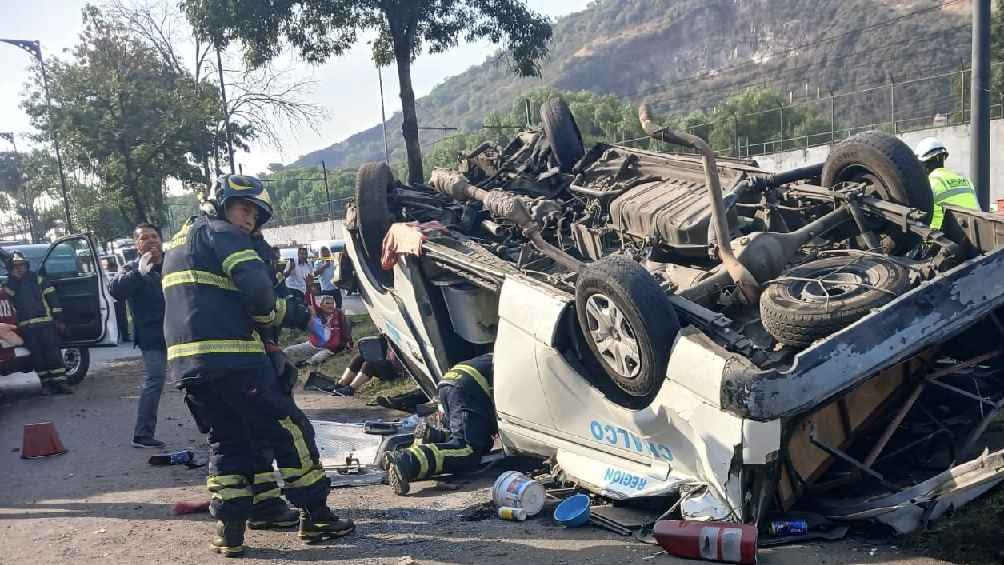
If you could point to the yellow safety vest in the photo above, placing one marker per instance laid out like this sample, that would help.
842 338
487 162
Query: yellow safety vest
950 188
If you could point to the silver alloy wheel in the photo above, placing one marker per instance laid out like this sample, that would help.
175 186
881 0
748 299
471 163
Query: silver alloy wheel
71 360
614 337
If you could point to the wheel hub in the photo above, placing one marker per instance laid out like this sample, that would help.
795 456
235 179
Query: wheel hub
613 336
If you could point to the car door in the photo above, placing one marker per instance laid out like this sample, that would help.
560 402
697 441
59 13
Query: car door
71 265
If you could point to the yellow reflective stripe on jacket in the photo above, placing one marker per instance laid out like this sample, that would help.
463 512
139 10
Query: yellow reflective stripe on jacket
238 257
212 346
474 374
306 480
275 317
196 277
264 478
35 321
182 234
47 290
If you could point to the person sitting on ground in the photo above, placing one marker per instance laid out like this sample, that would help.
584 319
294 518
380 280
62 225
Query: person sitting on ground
465 393
359 372
315 351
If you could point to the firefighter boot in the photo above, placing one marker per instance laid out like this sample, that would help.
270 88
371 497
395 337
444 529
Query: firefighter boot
229 540
397 476
323 524
426 433
54 388
276 515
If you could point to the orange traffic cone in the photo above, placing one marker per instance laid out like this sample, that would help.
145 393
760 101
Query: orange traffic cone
41 440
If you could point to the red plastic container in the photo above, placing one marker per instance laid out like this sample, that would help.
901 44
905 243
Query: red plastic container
711 541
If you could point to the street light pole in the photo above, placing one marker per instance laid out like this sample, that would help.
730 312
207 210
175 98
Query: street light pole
226 110
383 118
979 124
33 48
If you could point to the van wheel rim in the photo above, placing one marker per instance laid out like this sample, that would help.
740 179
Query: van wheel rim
613 336
71 360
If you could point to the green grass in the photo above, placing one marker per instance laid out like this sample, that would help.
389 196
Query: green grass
333 368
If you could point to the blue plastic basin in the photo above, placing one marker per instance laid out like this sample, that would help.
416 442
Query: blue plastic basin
573 511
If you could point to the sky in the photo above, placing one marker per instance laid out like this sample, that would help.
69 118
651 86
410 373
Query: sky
346 87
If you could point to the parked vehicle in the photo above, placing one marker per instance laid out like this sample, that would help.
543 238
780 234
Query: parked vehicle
71 264
837 354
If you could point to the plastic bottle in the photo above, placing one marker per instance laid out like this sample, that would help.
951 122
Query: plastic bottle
512 514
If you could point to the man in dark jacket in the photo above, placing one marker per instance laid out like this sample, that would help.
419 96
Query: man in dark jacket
139 285
39 319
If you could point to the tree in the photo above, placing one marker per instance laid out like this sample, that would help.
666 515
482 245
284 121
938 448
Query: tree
127 119
320 29
257 99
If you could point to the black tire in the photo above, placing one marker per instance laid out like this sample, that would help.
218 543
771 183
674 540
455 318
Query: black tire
77 362
647 319
562 133
798 312
373 217
887 164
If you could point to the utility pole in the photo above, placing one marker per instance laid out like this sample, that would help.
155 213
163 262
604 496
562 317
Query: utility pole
327 193
226 110
979 125
383 118
892 102
35 49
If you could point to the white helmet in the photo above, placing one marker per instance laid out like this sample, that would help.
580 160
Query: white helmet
930 147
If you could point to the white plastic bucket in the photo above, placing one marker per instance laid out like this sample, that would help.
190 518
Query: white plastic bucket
516 490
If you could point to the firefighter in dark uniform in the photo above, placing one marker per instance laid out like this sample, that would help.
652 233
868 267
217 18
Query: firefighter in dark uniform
39 317
465 393
218 290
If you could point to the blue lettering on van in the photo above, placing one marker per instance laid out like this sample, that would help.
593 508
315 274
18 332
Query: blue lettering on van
614 476
619 437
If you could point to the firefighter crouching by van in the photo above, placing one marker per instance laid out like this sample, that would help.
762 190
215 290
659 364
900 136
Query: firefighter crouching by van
465 393
40 321
218 290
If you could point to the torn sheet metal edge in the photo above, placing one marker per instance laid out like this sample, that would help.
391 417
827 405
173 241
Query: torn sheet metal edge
907 509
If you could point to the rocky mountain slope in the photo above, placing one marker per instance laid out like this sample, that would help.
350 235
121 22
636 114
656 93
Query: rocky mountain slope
689 54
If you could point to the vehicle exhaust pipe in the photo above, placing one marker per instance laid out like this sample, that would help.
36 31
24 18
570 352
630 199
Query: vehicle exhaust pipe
502 205
748 286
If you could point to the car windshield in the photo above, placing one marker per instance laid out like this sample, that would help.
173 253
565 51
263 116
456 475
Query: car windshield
62 263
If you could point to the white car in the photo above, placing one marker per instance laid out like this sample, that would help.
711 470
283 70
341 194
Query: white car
839 354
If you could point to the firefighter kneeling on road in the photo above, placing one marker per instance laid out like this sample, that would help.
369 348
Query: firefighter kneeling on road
40 321
217 290
465 393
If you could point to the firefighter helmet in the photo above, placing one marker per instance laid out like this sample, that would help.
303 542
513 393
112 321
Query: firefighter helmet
237 186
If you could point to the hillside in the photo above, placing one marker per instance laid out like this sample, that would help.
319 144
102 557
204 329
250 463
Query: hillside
690 54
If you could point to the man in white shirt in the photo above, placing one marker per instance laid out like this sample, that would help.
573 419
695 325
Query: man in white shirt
325 270
297 273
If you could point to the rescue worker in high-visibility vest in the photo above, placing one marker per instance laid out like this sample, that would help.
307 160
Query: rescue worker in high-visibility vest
947 186
39 320
465 393
217 291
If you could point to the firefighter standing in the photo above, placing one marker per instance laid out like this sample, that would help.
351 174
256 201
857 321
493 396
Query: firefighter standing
217 291
947 186
465 393
39 316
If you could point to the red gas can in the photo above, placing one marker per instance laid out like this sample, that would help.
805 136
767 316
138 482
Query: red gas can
713 541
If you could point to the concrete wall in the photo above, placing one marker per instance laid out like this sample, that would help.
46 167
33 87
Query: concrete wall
304 233
956 139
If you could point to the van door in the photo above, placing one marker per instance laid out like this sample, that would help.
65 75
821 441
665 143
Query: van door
71 265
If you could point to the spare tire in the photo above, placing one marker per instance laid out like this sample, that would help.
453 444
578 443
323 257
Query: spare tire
373 217
629 325
818 298
562 133
892 172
